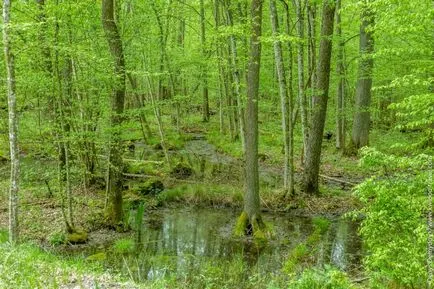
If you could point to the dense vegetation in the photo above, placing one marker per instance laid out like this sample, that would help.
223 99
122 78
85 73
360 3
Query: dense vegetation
115 114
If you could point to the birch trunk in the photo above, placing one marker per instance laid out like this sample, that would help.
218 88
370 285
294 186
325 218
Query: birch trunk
301 91
13 125
288 174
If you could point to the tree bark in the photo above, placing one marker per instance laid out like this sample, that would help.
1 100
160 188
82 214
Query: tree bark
313 151
205 92
340 101
362 118
301 91
288 175
115 180
251 196
240 114
13 125
311 31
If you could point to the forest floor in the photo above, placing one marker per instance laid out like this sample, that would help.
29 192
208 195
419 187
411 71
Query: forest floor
211 184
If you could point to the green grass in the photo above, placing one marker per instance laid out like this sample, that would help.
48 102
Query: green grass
204 194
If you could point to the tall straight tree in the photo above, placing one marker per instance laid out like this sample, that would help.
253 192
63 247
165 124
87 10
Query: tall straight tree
205 92
288 175
13 125
300 66
313 151
340 71
252 212
362 117
115 178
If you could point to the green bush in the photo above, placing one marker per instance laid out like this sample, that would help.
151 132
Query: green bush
328 278
394 229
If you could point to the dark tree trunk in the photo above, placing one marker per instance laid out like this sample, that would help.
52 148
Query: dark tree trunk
313 150
205 92
362 117
251 196
340 99
115 178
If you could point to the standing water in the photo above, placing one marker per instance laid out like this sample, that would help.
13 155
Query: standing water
183 242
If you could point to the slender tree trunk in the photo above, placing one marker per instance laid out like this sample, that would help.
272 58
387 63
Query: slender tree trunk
237 81
221 77
251 196
13 125
313 152
340 101
362 117
311 30
115 182
301 91
205 92
284 100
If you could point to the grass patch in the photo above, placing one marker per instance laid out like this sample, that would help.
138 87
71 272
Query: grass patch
204 194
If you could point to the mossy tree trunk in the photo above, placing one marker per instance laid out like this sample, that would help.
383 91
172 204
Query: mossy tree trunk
252 214
115 178
313 150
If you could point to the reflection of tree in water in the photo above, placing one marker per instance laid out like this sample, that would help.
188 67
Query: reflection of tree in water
184 243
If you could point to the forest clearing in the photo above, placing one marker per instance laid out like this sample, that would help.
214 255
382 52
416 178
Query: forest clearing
217 144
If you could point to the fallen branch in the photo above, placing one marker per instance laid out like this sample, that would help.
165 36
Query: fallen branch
143 161
337 180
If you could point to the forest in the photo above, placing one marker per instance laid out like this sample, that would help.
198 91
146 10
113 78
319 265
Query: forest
217 144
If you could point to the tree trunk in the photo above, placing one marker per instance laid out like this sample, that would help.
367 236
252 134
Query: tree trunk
311 30
13 125
313 151
115 179
221 77
205 92
362 118
340 101
301 91
251 197
237 81
288 174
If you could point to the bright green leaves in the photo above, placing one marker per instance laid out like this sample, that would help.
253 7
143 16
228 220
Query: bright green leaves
394 229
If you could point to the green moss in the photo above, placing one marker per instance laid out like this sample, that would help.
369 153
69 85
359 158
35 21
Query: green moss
101 256
241 225
77 237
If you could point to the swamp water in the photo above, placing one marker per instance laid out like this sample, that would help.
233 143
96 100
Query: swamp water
186 243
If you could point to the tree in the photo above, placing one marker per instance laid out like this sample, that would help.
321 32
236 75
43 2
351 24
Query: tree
13 125
313 150
205 92
340 101
285 103
362 117
115 177
250 220
300 66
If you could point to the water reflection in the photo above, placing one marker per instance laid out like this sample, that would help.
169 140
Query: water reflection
180 241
